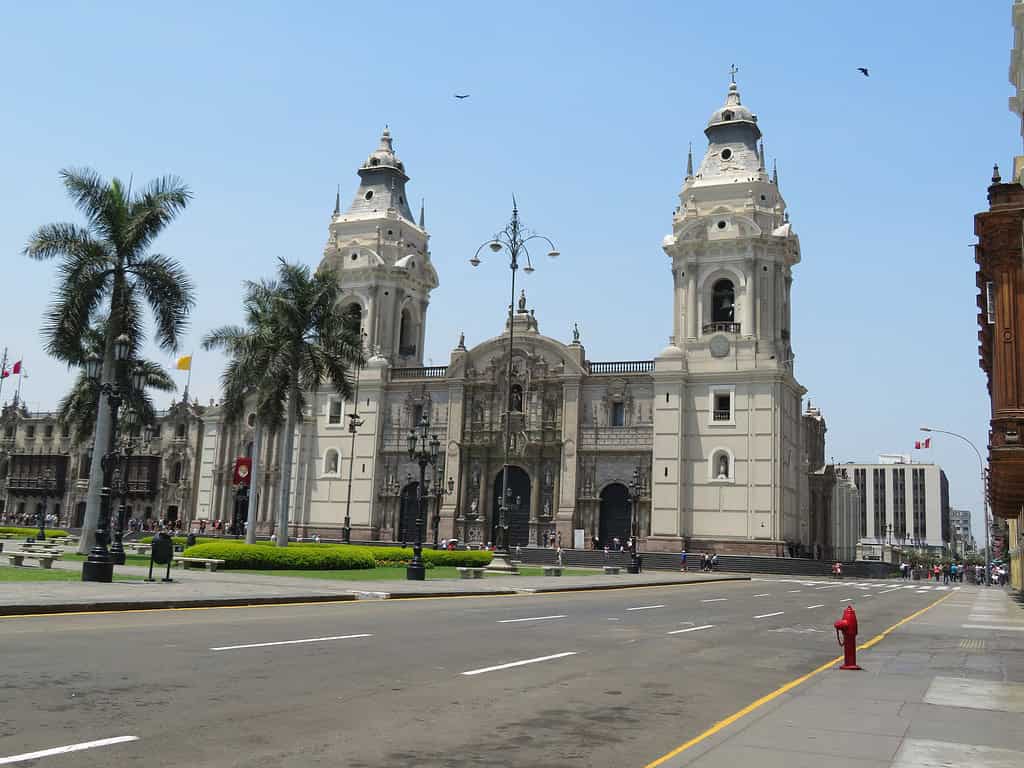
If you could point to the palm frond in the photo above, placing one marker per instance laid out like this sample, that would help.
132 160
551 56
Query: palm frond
170 295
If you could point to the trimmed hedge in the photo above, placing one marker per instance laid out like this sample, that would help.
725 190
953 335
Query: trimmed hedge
469 558
296 557
18 531
182 540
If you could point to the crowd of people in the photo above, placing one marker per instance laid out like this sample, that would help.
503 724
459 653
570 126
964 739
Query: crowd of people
953 572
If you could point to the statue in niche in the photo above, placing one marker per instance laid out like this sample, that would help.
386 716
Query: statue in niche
522 301
548 480
517 398
723 467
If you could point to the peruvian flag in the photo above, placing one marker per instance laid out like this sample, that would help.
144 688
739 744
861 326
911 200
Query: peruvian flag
4 373
920 444
17 368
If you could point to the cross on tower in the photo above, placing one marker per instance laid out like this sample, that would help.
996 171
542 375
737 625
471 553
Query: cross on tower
733 69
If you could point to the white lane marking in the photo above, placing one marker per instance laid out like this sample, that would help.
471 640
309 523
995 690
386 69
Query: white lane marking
691 629
887 591
615 619
828 586
644 607
1002 628
64 750
715 600
287 642
533 618
846 600
764 594
819 605
519 663
793 591
766 615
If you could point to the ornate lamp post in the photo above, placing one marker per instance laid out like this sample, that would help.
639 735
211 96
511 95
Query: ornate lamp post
99 566
354 423
47 485
984 498
637 488
423 449
513 241
122 461
440 491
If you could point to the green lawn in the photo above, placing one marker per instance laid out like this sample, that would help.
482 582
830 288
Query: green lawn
129 559
398 573
30 573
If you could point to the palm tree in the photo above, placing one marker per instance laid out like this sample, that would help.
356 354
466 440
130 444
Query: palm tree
108 275
297 338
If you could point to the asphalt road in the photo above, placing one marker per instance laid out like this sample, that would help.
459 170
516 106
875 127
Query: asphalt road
631 674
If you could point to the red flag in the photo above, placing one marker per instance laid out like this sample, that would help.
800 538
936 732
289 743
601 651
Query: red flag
4 373
17 368
920 444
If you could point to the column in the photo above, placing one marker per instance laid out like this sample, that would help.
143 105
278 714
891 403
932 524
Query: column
370 322
677 309
691 302
749 298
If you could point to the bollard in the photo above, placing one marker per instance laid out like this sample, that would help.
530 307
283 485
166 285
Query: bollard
846 635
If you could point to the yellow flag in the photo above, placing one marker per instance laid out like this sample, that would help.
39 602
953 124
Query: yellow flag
184 363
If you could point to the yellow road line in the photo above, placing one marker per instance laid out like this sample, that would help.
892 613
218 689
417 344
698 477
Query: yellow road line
722 724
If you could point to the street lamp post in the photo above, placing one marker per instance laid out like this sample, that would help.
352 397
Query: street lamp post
354 423
121 460
636 489
513 240
984 498
423 449
99 566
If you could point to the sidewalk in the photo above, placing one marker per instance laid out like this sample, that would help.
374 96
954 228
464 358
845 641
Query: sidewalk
198 588
944 689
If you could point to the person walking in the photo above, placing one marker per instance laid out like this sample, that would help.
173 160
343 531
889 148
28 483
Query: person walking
714 561
682 561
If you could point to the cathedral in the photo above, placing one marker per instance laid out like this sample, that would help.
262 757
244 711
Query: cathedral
702 441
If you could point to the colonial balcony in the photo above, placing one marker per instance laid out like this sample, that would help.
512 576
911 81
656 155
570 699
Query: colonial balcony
424 372
720 415
620 367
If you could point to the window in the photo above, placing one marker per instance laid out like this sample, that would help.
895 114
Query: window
30 431
618 414
721 405
179 432
899 503
726 153
407 334
878 476
860 479
920 504
9 432
334 411
48 430
720 465
251 420
990 303
331 462
176 472
417 414
84 465
723 301
369 195
65 431
156 431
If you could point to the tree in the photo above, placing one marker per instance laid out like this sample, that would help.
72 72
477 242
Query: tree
107 275
297 337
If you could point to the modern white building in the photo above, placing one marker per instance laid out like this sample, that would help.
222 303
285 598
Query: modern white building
902 503
711 425
960 530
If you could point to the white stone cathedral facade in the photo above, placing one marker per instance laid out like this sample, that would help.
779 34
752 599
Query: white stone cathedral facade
710 426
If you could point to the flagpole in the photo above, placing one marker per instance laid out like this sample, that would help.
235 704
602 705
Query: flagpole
188 380
3 370
21 375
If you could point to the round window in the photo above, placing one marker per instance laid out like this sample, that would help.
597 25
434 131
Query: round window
374 161
390 232
368 195
721 225
251 420
355 256
726 153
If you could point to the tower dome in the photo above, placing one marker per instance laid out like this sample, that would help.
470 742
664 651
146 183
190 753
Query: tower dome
731 113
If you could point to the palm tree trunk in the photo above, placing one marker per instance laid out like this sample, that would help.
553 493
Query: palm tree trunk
254 485
286 464
100 443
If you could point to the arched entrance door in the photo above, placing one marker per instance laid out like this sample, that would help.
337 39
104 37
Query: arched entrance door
519 507
407 514
614 514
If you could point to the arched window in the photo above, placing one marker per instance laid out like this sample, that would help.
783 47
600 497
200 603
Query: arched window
723 301
179 432
407 334
176 472
353 314
331 462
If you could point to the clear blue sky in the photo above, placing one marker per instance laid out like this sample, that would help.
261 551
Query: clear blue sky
584 111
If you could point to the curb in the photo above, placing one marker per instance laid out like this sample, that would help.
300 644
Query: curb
163 605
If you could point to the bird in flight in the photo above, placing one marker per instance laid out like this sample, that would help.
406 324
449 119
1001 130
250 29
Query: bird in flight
863 71
461 95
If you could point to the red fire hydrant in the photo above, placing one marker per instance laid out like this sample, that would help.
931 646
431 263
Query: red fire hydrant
846 634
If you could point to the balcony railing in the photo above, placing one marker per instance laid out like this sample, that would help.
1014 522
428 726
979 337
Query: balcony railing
625 366
720 415
721 328
425 372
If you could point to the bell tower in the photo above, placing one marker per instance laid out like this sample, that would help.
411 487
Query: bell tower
726 398
381 255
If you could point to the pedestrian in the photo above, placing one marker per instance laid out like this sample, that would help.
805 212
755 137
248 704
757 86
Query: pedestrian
945 573
714 561
682 561
559 539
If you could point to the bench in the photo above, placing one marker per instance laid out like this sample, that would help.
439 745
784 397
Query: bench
45 558
210 563
140 549
612 570
470 573
552 570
